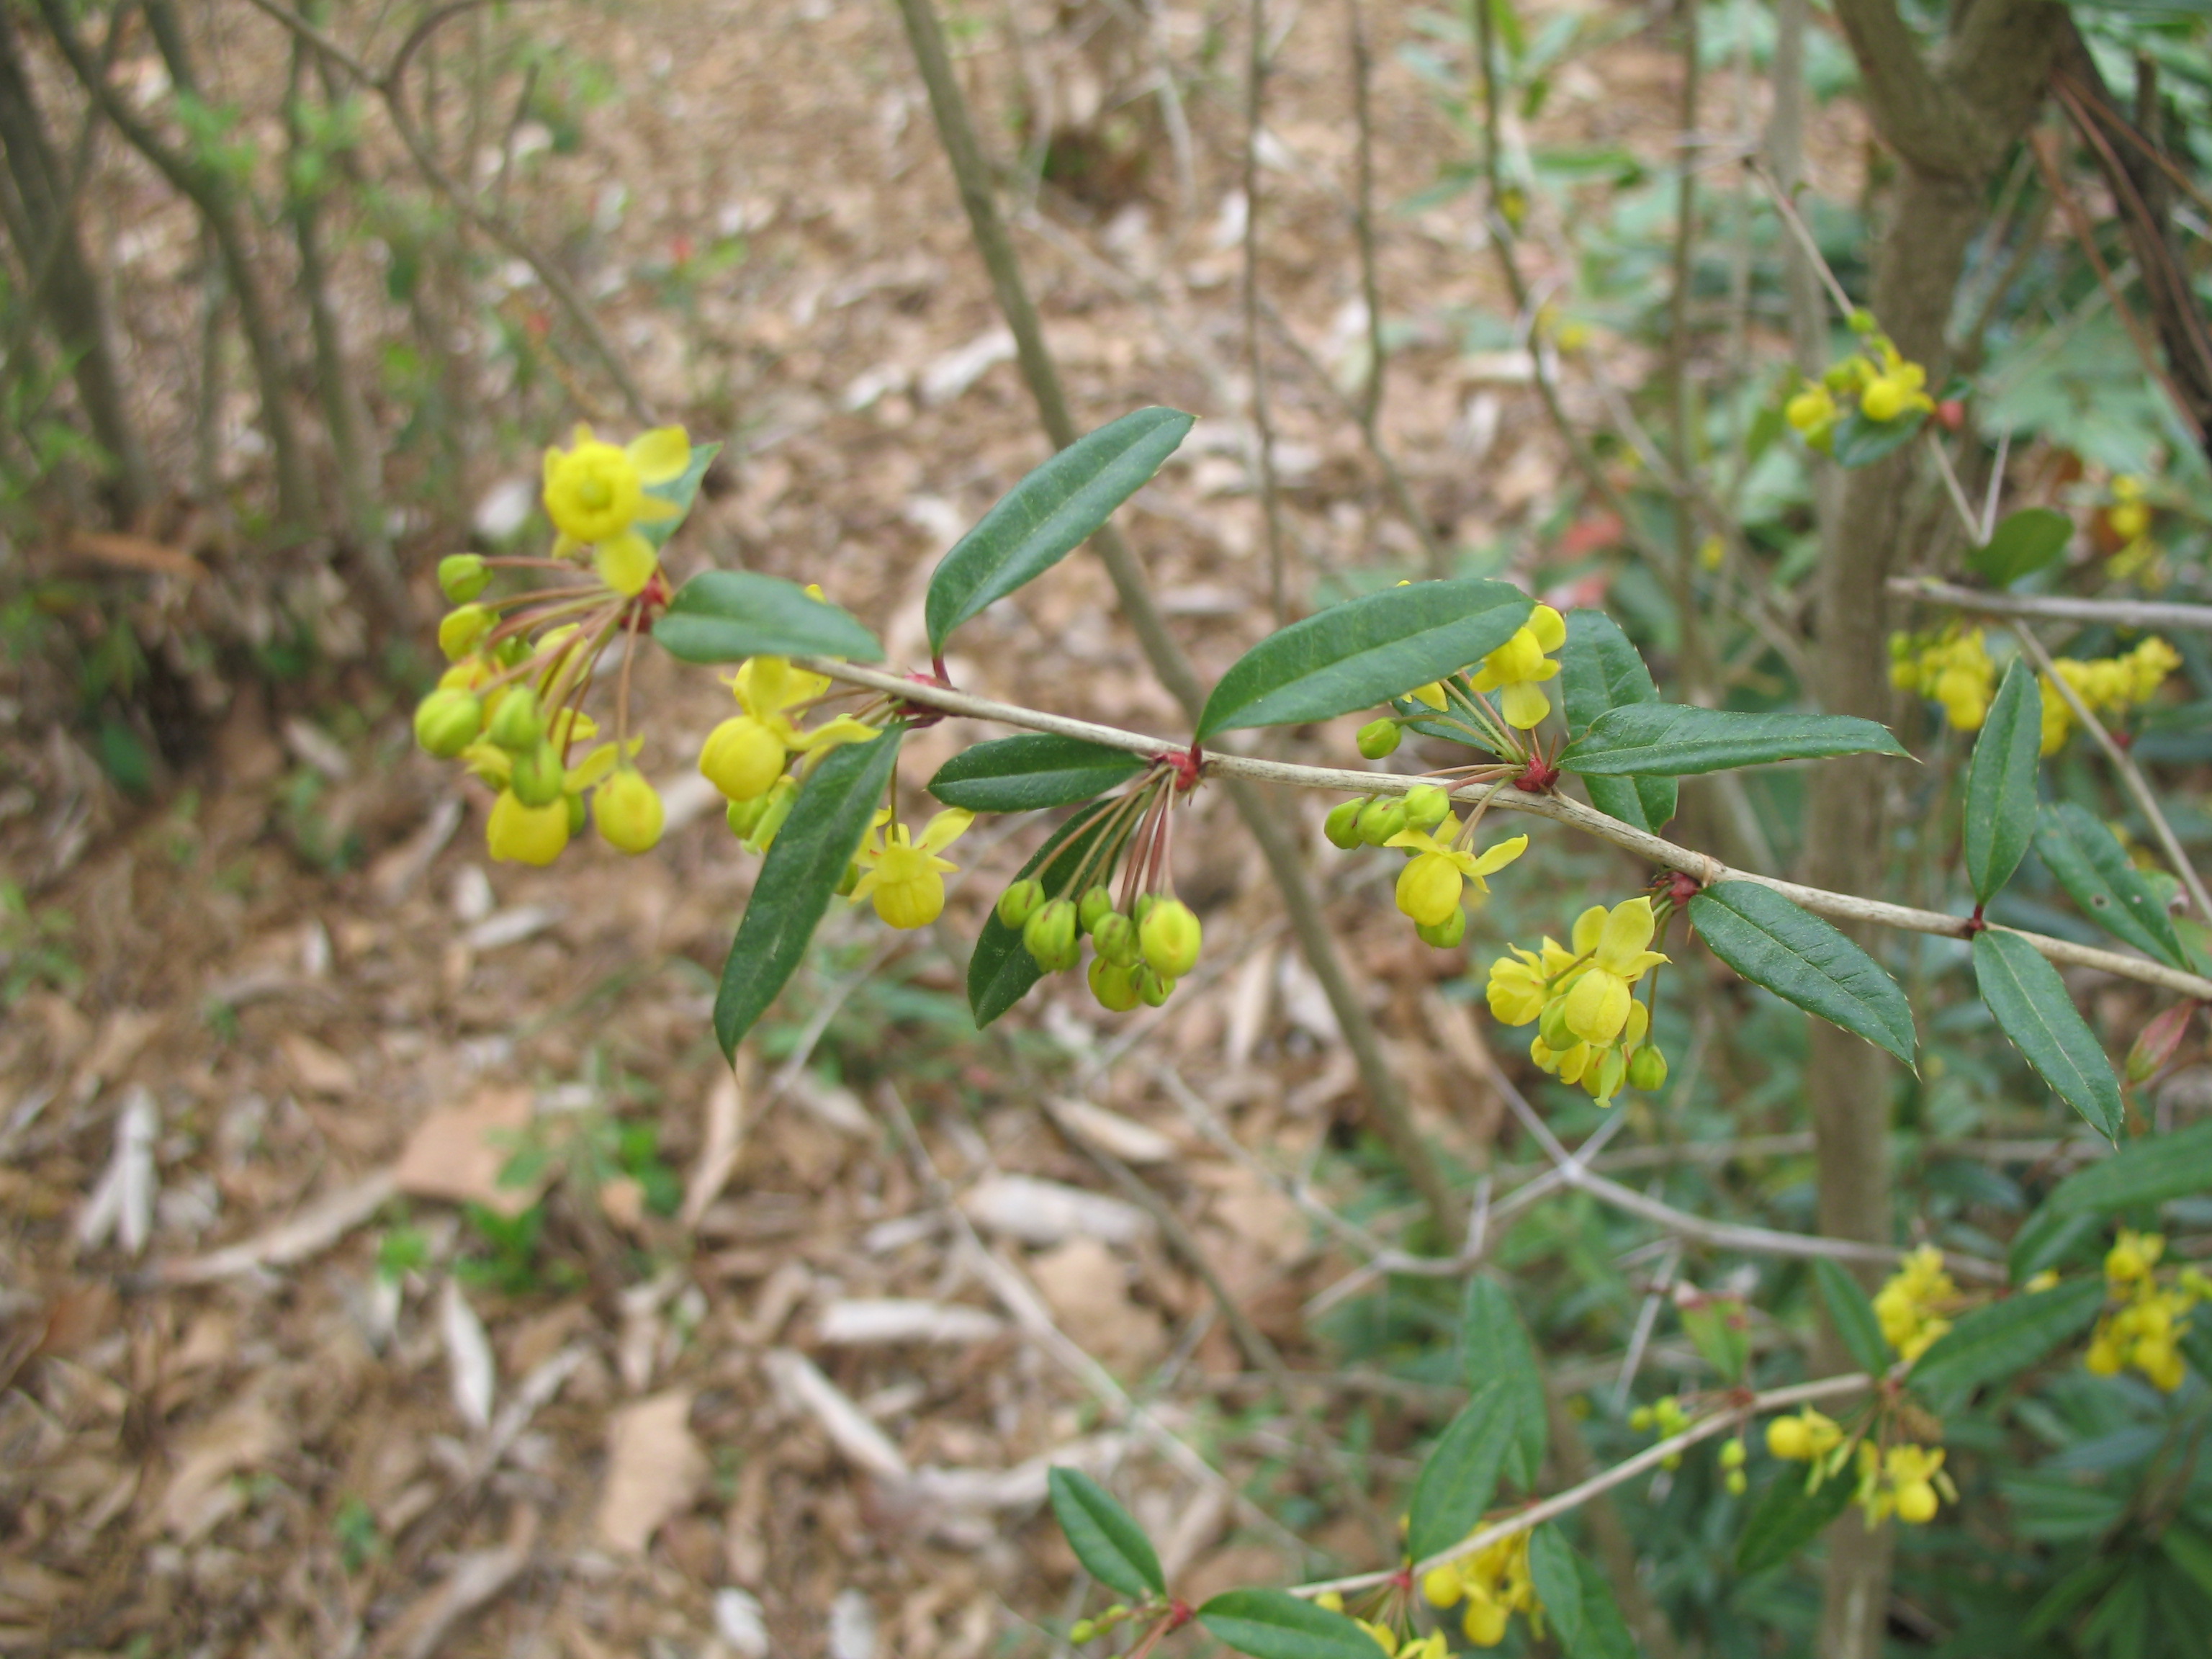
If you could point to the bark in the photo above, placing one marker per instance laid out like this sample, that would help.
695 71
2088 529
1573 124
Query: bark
1949 117
53 256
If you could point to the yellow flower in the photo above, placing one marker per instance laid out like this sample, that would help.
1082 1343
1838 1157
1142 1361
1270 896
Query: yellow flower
1801 1438
1429 886
1597 1008
628 810
904 877
1897 390
2145 1329
1495 1583
595 495
1912 1473
1518 669
1812 410
526 835
745 754
1905 1303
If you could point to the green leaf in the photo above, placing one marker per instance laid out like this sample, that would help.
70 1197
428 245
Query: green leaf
1799 957
1000 970
2022 544
1494 1346
1457 1482
1272 1623
804 865
724 616
1048 514
2092 866
1858 441
683 490
1853 1316
1104 1537
1675 739
1787 1517
1020 774
2147 1171
2032 1008
2051 1236
1363 653
2002 1340
1579 1606
1601 669
2001 782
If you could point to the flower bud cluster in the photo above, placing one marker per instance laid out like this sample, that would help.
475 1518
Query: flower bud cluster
1663 1418
1950 666
1440 861
1590 1029
1883 385
1909 1303
1489 1587
1138 954
745 757
2145 1329
2107 685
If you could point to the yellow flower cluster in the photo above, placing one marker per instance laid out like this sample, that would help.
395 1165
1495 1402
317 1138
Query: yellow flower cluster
1515 672
1907 1304
1951 666
510 704
1440 856
2107 685
2145 1330
1886 386
1590 1029
2128 520
1494 1582
1903 1480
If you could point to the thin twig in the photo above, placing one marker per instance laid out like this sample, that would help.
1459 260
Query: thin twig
2131 775
1700 866
1255 362
2104 613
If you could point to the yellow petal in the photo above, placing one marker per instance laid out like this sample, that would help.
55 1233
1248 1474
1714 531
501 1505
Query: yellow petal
1627 931
1549 626
843 729
653 509
1524 705
660 454
945 829
1498 857
1589 926
627 563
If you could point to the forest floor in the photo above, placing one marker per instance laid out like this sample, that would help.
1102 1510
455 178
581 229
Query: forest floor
780 1373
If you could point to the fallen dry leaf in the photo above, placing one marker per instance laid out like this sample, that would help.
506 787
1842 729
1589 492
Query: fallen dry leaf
457 1153
199 1493
320 1071
653 1467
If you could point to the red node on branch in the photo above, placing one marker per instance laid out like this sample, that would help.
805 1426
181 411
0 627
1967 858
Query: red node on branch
1187 765
1973 925
1682 887
920 715
1180 1612
651 602
1537 777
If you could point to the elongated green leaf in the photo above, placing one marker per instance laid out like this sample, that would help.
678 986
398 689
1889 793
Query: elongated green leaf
2023 543
1853 1316
2032 1007
2151 1171
1048 514
2092 866
724 616
1787 1517
1799 957
1579 1610
2051 1236
1456 1484
1675 740
2002 1340
1361 653
1272 1623
1601 669
682 490
1020 774
802 870
1104 1537
1858 441
1000 970
2001 782
1494 1346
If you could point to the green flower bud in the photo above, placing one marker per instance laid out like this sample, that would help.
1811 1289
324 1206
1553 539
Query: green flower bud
743 815
1382 818
1113 984
1552 1026
850 879
1647 1068
1049 935
1604 1080
537 776
1152 989
516 725
1860 320
461 577
512 651
1732 1454
1169 938
776 810
1737 1482
629 811
461 631
1446 933
1020 902
1115 939
1342 824
1145 905
1426 806
575 815
448 721
1378 738
1095 903
1080 1632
